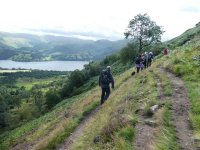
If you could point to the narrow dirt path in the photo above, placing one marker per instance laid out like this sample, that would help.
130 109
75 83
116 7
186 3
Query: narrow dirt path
181 107
76 133
67 145
144 136
145 133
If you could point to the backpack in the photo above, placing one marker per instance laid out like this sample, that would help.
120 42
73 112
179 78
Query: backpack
147 57
137 60
150 56
105 77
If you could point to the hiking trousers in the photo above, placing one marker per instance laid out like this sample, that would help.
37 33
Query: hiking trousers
105 92
149 62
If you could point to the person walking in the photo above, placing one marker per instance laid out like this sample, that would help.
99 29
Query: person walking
165 51
146 60
138 62
105 79
150 58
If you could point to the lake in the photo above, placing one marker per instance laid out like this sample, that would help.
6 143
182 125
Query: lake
44 65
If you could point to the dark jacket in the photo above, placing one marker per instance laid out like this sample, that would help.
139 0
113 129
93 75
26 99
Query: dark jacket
109 78
138 60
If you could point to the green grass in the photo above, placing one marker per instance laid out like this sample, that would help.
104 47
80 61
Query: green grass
127 133
165 81
166 139
28 83
181 63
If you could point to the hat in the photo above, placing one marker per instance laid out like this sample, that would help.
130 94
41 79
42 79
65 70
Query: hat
108 67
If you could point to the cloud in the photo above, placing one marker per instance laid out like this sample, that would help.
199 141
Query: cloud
84 35
191 9
95 19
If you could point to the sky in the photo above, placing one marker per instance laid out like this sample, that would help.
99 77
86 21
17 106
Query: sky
95 19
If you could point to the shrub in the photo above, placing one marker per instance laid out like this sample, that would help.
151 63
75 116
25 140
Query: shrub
52 98
110 59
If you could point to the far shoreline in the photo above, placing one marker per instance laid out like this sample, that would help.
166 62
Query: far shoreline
47 60
43 65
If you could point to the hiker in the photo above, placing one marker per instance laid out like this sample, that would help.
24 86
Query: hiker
105 79
150 58
145 58
138 62
142 61
165 51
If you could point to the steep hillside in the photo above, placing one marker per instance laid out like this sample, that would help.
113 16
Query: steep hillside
149 110
26 47
186 37
6 52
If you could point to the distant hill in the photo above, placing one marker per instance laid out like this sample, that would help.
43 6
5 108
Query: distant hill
28 47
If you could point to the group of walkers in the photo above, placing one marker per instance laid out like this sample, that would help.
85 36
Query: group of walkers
143 61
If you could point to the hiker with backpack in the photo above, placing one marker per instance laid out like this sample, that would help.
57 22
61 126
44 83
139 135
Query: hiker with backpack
150 58
139 63
105 79
145 58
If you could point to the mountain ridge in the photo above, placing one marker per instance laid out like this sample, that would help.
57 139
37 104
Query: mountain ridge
29 47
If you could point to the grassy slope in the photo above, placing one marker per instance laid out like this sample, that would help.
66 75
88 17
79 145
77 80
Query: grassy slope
115 122
57 124
108 123
181 63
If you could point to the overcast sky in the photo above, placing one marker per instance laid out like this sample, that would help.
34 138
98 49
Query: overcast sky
95 19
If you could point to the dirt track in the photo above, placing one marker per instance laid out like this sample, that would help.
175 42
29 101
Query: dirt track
181 107
79 130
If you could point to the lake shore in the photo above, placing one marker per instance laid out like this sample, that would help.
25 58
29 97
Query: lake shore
43 65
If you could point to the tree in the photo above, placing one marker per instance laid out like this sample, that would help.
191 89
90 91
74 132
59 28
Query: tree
52 98
39 100
128 53
77 78
144 31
